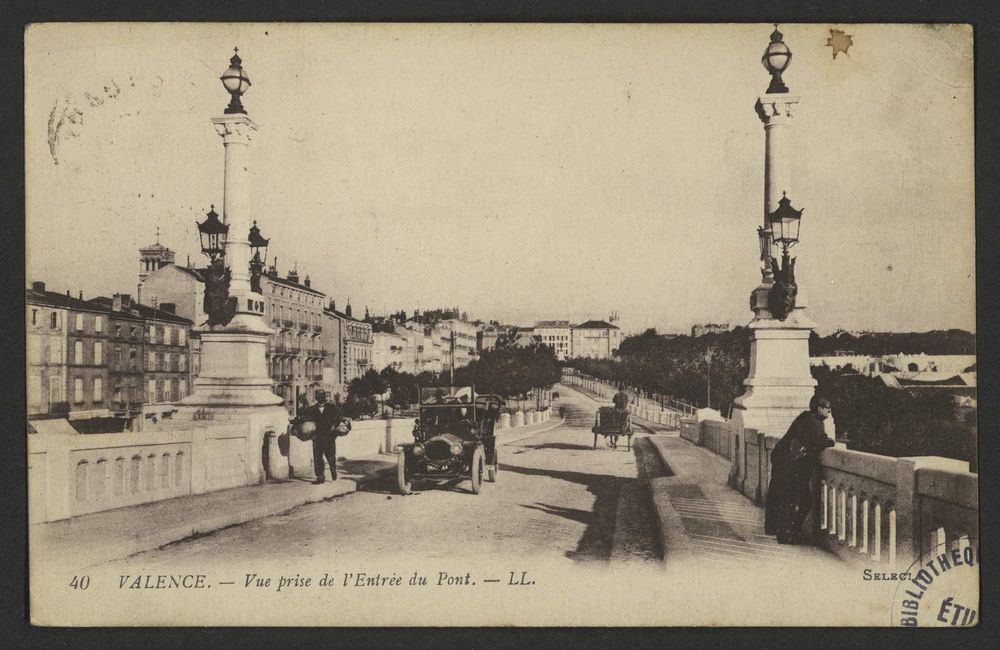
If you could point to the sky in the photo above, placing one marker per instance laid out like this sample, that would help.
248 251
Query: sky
519 172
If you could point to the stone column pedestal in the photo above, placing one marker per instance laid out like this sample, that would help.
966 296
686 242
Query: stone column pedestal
780 383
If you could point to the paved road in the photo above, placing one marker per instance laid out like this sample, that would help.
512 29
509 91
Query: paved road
556 499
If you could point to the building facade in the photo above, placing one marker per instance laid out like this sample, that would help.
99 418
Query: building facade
86 362
333 361
296 352
392 350
45 323
427 351
458 342
596 339
557 334
356 350
126 358
180 286
105 357
166 354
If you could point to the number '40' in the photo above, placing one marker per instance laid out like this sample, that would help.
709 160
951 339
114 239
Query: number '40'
79 582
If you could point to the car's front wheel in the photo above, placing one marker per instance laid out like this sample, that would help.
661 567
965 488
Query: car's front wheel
405 483
476 470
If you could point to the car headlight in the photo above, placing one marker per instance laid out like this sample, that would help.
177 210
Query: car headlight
456 449
418 450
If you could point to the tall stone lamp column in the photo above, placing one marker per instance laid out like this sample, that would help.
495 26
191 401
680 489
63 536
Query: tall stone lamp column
234 384
780 384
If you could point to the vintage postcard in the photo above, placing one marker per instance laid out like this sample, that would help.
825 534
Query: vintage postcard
501 325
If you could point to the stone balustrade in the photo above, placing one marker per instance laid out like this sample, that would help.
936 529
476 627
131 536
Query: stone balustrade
870 508
72 475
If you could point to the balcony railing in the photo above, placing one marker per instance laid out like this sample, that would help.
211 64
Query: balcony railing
287 323
317 328
303 326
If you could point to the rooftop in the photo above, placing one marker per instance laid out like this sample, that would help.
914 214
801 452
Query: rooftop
595 325
65 301
552 323
145 311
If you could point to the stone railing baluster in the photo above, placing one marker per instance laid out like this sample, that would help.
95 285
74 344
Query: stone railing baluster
877 537
864 526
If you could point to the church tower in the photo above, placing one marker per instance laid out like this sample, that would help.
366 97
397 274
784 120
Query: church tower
153 257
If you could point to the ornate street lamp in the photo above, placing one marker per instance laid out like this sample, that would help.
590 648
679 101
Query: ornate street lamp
258 248
236 81
785 224
213 235
776 58
219 306
784 227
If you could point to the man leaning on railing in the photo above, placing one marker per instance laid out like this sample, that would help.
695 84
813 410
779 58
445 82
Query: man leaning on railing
793 461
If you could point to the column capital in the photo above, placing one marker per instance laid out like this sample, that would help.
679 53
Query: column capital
235 128
775 107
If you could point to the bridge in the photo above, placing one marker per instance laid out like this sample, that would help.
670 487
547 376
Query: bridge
683 507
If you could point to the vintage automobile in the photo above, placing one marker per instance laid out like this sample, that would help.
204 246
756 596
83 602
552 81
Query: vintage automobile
453 439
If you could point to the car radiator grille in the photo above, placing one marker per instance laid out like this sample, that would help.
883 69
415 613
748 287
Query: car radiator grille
438 450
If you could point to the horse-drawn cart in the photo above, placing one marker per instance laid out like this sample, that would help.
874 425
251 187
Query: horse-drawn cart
613 423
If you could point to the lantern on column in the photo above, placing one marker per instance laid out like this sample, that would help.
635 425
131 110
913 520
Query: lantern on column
784 229
258 256
784 224
776 58
213 235
219 306
236 81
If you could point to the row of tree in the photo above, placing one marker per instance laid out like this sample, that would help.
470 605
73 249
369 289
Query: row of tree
704 370
873 416
882 420
507 370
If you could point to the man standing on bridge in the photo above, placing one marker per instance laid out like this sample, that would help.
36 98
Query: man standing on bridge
326 419
793 462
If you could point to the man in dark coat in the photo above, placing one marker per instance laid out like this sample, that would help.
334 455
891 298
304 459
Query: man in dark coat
621 399
326 417
793 462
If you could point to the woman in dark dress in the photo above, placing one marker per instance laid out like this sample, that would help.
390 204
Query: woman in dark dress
793 462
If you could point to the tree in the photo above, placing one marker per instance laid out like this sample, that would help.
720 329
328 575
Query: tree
402 387
512 371
367 385
890 421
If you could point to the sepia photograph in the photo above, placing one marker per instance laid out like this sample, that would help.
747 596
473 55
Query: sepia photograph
521 325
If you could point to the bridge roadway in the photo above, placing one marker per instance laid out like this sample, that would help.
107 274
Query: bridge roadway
556 500
561 510
702 519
